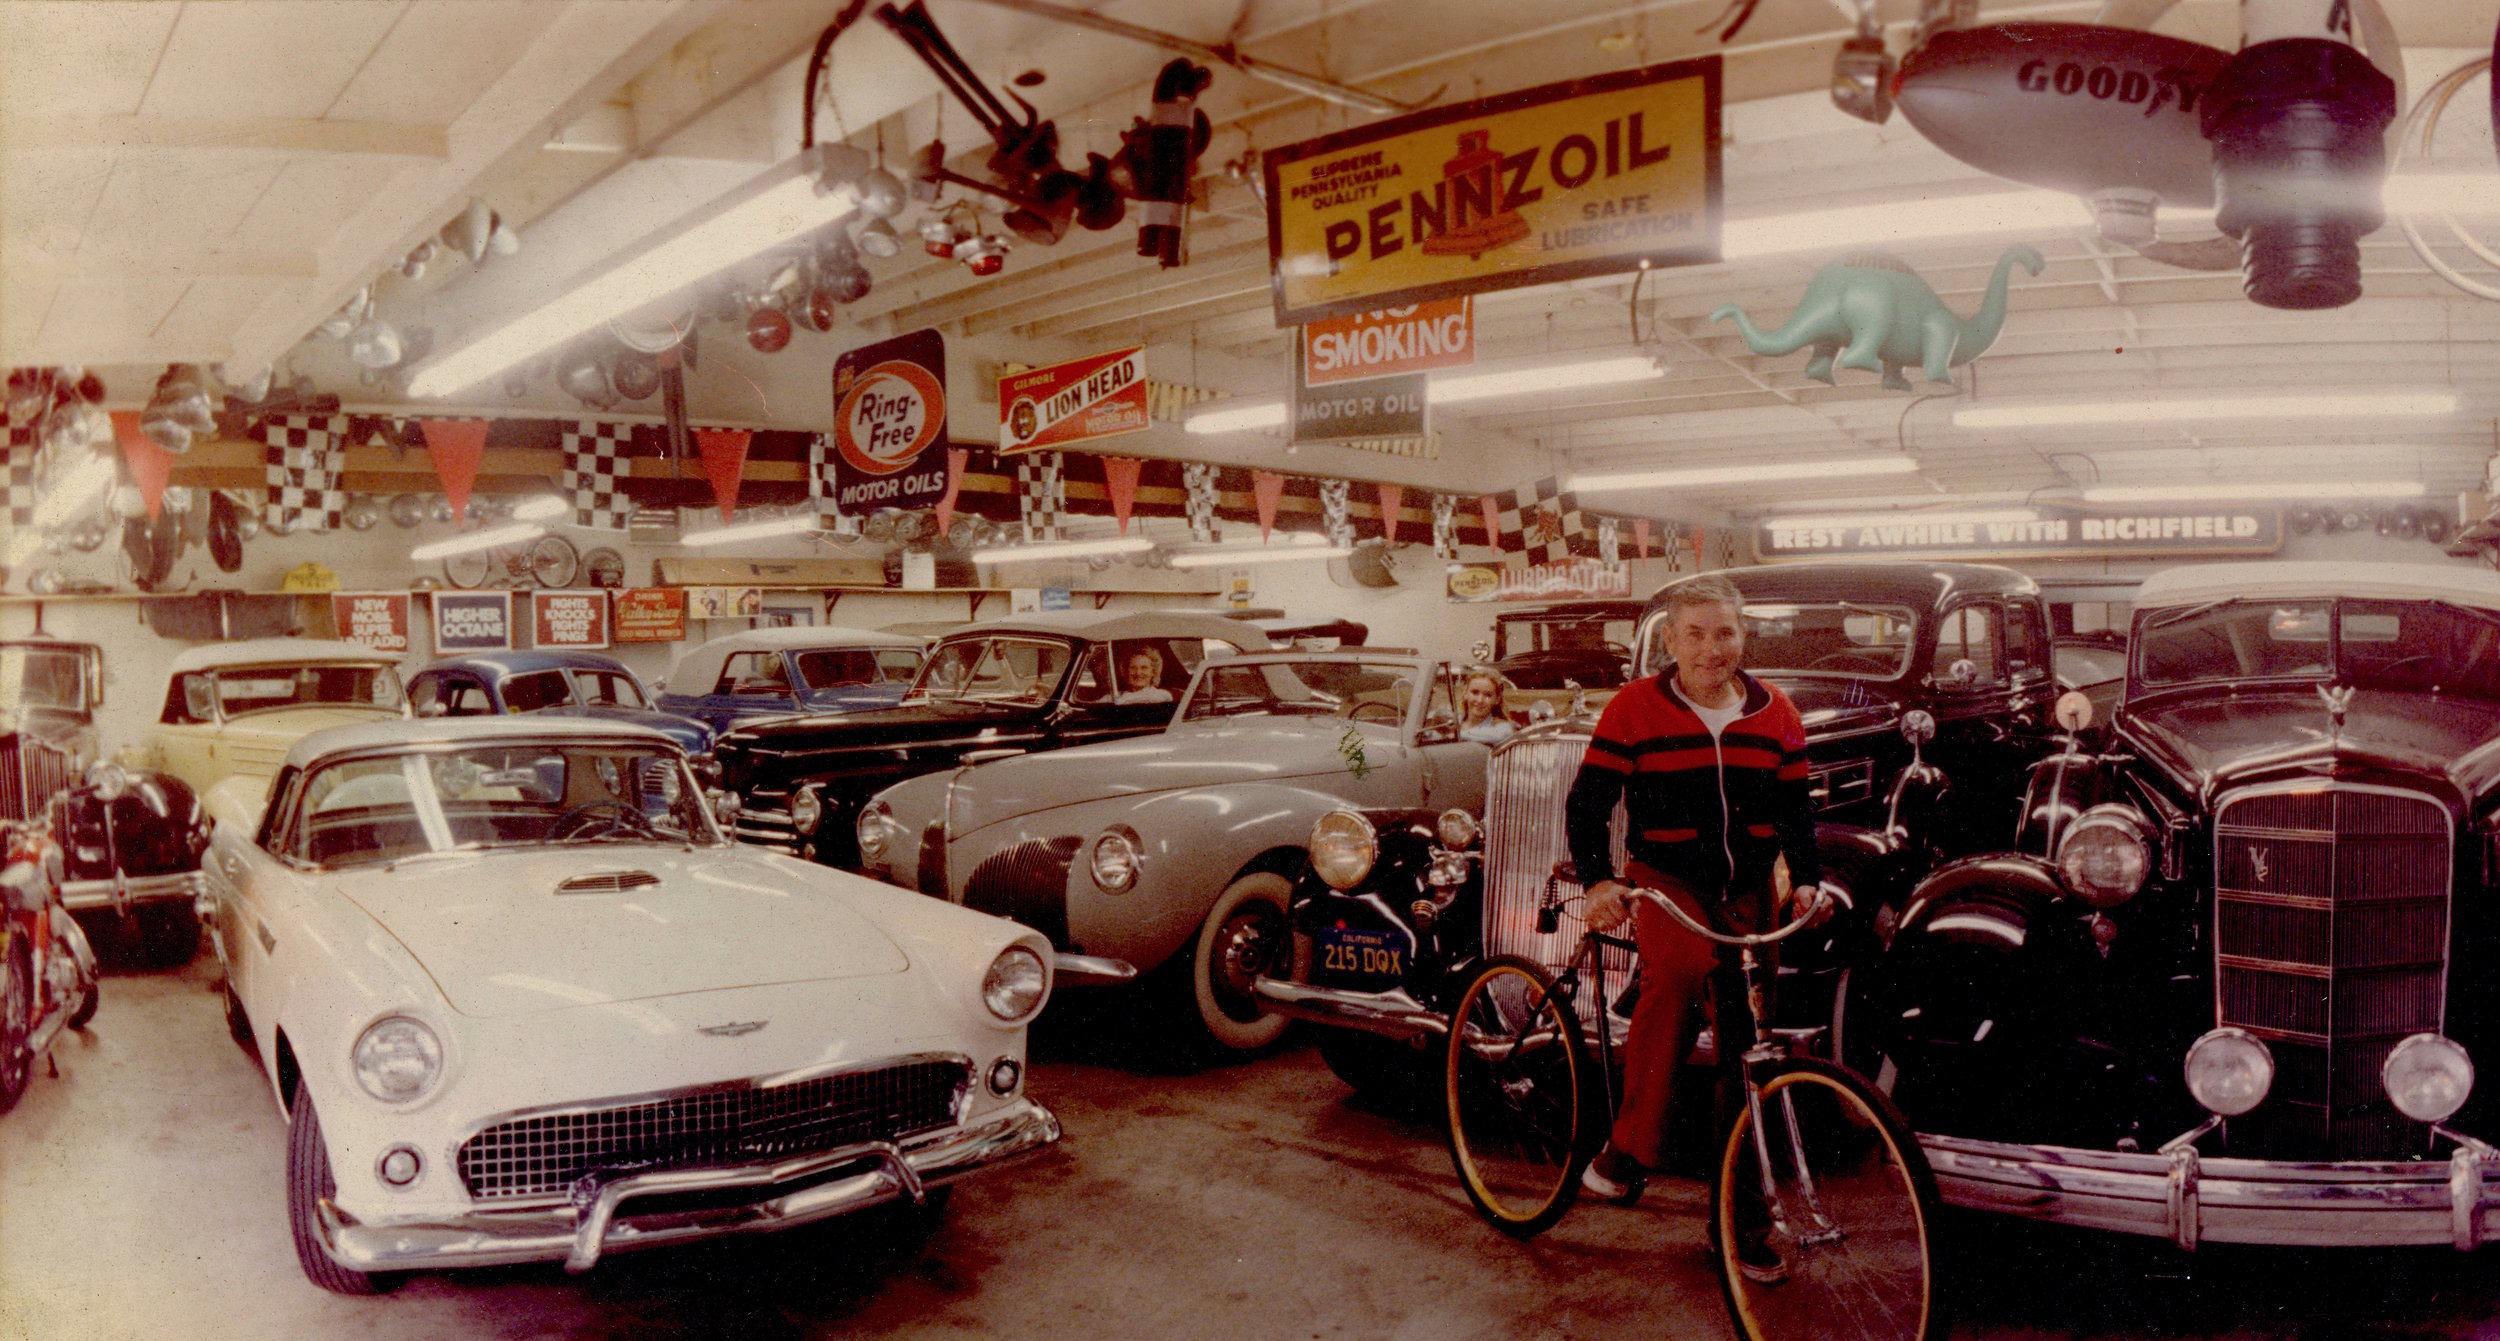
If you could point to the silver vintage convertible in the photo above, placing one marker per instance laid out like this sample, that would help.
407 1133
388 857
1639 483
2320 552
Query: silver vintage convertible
1179 849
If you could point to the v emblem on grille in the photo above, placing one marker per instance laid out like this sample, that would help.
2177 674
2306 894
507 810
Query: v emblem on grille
2257 861
733 1029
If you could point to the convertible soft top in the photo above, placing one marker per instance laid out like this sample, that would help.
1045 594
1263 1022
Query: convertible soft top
278 652
701 663
2199 583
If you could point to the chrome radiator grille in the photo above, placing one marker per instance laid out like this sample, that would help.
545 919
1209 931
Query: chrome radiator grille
2331 915
737 1124
1525 786
1027 883
30 772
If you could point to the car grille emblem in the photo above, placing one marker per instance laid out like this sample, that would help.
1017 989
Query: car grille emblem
2257 860
733 1029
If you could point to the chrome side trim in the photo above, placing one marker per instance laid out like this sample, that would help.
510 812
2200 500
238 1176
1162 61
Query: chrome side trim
1391 1014
1073 970
122 891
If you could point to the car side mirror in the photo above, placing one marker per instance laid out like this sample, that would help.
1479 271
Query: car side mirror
433 708
2074 711
1957 675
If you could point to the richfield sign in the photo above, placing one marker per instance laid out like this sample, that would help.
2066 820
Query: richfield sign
1588 177
2058 531
889 409
1415 338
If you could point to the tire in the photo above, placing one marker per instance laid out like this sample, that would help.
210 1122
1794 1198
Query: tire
1865 1272
238 1024
17 1017
554 562
308 1184
469 569
169 935
86 1006
1382 1070
1521 1096
1245 934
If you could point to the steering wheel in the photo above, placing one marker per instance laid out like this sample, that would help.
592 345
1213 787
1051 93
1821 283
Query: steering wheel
1853 661
1388 711
600 817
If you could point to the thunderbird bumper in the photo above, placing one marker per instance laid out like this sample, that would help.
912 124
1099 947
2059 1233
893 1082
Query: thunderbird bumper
2188 1199
645 1210
120 892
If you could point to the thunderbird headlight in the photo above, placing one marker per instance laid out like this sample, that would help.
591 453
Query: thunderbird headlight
2229 1071
1013 987
806 811
874 819
398 1060
2104 856
2428 1077
1456 829
1114 860
1343 847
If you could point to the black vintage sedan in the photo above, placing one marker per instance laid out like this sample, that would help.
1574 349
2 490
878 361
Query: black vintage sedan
1006 687
2230 983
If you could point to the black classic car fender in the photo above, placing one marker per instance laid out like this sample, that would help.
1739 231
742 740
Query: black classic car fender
155 827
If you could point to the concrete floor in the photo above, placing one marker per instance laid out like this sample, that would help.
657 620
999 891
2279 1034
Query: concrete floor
140 1195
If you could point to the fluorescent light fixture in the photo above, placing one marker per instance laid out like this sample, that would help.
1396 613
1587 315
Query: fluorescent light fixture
1455 388
756 530
1965 517
1228 416
1701 476
2198 409
545 507
1304 546
1062 549
780 206
2197 493
75 490
462 544
1929 220
2011 497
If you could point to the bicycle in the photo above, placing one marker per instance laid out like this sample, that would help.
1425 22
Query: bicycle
1847 1193
542 561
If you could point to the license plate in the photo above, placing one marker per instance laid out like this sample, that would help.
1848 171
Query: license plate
1358 957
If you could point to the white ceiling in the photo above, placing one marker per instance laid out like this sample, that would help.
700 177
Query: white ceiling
206 181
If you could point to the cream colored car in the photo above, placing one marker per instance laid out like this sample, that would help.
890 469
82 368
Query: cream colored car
232 710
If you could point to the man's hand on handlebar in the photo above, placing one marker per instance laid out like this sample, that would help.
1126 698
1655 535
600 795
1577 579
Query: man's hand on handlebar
1814 904
1608 905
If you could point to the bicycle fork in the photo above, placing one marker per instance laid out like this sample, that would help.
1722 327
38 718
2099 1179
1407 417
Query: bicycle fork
1766 1050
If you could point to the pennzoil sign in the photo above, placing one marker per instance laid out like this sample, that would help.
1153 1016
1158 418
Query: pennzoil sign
1585 177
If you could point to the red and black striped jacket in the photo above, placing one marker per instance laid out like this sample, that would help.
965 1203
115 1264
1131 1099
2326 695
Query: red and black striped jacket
1712 814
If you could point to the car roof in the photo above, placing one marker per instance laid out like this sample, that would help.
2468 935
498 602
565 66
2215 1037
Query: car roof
1593 607
501 664
276 651
701 663
1106 625
2199 583
1924 585
396 732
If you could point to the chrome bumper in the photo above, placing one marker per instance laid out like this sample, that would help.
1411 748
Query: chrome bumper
122 891
2188 1199
600 1217
1391 1014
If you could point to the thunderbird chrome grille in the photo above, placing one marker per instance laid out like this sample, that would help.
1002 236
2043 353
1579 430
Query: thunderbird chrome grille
724 1125
30 772
1027 883
1525 787
2331 910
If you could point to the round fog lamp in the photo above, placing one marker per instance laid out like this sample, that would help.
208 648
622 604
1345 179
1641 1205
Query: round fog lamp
1013 987
2229 1071
1342 848
2428 1077
806 812
1114 861
1004 1073
1457 829
399 1166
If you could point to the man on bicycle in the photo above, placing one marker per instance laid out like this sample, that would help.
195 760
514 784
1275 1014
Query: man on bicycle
1710 766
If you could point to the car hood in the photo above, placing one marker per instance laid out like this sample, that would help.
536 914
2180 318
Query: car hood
1226 753
920 720
1828 703
2210 740
499 940
690 734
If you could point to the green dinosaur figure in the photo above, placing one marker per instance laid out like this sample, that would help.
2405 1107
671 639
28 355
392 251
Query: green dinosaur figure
1872 312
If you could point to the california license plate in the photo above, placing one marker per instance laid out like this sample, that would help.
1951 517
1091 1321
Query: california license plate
1359 957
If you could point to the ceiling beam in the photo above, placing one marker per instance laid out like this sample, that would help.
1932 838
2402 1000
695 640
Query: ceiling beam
248 134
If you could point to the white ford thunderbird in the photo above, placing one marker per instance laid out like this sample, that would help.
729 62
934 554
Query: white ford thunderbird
522 1000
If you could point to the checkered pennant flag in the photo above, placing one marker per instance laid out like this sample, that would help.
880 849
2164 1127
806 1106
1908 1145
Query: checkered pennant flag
594 456
1609 541
1445 526
820 489
1199 482
21 463
1041 494
1541 518
307 454
1332 513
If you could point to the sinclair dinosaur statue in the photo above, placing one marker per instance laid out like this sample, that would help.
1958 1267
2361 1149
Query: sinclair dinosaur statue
1872 312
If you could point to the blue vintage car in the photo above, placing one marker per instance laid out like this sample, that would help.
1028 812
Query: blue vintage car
562 684
764 672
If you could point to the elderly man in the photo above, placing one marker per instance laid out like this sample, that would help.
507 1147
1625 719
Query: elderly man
1710 766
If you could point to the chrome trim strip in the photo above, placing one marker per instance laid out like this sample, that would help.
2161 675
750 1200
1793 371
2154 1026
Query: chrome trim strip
1072 970
121 891
1391 1014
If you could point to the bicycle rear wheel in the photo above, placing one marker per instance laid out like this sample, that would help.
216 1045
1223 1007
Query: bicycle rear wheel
1524 1119
1851 1205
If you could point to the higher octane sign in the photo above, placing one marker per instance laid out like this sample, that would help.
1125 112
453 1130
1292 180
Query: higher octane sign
889 409
1067 403
1586 177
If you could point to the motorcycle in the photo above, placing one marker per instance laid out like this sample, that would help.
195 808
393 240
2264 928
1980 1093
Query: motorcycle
48 977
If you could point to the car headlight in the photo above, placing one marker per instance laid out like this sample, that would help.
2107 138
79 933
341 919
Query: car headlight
874 819
2104 856
1343 848
1114 860
1457 829
2428 1077
2229 1071
1014 986
806 811
398 1060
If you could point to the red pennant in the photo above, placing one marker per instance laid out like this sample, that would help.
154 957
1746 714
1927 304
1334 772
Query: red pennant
1268 489
457 446
1119 479
1697 532
1492 513
1392 497
956 457
724 452
1640 535
150 465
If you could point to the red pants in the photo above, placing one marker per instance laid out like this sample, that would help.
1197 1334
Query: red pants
1676 967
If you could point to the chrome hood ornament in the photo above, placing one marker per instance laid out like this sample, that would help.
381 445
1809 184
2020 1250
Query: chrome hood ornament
733 1029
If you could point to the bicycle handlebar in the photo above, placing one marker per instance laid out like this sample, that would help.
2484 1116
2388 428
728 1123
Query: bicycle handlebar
1694 924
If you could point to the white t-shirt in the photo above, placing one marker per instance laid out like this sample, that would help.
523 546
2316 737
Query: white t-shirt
1717 718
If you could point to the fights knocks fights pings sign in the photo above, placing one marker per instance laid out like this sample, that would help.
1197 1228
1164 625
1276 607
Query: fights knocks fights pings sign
574 619
889 410
1068 403
2057 530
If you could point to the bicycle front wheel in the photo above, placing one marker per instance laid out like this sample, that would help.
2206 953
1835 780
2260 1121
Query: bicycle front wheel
1523 1116
1834 1243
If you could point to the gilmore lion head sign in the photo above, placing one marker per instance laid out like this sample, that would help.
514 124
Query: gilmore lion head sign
889 409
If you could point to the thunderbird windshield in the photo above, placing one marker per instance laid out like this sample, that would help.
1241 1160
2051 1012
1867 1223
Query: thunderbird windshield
384 807
1845 638
1371 691
2408 646
263 688
1009 669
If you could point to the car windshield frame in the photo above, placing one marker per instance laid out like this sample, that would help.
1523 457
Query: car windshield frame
1652 657
1209 699
14 662
2340 667
218 676
924 690
422 769
1536 629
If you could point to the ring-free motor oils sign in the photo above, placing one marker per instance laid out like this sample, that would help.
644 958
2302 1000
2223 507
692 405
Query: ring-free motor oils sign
1587 177
889 409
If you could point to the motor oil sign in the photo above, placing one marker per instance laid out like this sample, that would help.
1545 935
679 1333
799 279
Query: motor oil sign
1415 338
1078 401
1585 177
889 409
378 619
1376 407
